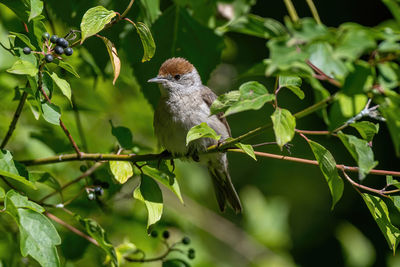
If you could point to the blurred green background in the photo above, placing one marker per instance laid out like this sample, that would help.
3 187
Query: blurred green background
287 218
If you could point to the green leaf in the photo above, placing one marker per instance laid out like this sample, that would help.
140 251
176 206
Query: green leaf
38 237
51 113
22 8
94 20
284 125
327 164
122 170
321 55
22 67
355 41
45 178
36 9
19 201
201 131
62 84
389 75
360 151
394 7
307 30
13 170
123 135
24 39
380 213
115 61
68 67
162 174
150 194
358 79
254 25
366 129
97 232
251 96
248 149
293 83
175 263
149 47
152 9
390 111
2 193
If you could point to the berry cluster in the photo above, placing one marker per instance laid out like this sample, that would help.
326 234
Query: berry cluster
55 45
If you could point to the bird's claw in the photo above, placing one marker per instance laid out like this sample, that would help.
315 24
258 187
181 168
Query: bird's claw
288 146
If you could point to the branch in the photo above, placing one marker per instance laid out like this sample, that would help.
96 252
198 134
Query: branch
127 9
322 76
71 228
366 188
14 121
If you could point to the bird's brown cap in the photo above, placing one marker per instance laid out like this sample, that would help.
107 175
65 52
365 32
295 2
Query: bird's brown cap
174 66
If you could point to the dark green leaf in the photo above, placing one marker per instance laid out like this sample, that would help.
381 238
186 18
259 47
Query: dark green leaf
360 151
47 83
366 129
380 213
327 164
45 178
175 263
284 125
149 47
293 83
24 39
122 170
201 131
13 170
62 84
248 149
357 80
22 8
152 9
68 67
162 174
2 193
150 194
22 67
94 20
256 26
224 101
98 233
123 135
390 111
51 113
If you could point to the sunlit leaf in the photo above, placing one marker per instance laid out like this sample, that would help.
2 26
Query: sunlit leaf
68 67
122 170
14 170
201 131
20 201
94 20
366 129
2 193
24 39
22 67
293 83
327 164
115 61
360 151
149 47
284 125
380 213
62 84
150 194
51 113
248 149
36 8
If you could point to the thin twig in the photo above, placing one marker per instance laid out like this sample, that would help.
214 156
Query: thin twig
314 11
366 188
71 228
292 11
322 75
14 121
127 9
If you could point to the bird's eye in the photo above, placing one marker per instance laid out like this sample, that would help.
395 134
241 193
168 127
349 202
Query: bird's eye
177 77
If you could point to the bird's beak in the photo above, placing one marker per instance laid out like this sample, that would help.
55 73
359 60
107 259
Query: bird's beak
157 79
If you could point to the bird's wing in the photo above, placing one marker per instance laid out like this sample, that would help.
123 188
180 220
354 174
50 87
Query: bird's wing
208 97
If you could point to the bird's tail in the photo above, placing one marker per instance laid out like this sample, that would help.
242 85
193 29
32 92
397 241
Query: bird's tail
224 189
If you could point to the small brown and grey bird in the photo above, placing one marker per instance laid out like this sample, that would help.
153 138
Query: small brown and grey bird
185 102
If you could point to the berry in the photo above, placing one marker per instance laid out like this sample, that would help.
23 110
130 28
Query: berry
53 39
186 240
68 51
62 42
27 50
49 58
165 234
83 168
59 50
46 36
154 233
98 190
91 196
191 254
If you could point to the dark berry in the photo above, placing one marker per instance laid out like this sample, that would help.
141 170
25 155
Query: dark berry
49 58
27 50
186 240
154 233
68 51
46 36
91 196
83 168
191 254
53 39
59 50
62 42
98 190
165 234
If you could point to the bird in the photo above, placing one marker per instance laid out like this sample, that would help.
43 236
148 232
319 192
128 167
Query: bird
185 102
